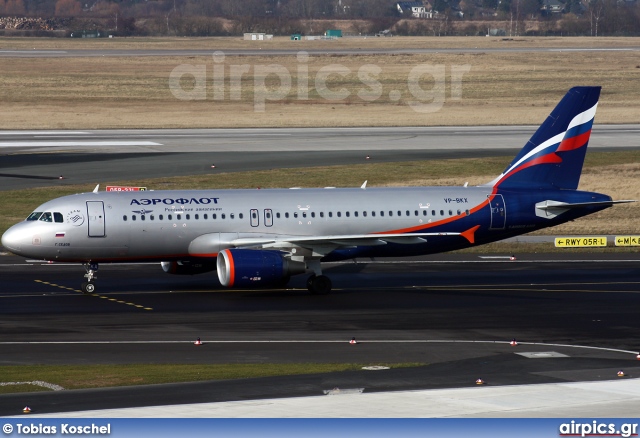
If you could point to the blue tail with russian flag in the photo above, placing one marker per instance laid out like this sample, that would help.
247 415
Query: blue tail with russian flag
553 157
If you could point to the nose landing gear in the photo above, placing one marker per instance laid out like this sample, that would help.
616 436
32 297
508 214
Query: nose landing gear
89 287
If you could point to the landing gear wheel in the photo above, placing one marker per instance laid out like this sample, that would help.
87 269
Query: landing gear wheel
88 288
319 284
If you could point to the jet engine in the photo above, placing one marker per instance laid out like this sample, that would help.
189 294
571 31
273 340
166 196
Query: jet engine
189 267
251 268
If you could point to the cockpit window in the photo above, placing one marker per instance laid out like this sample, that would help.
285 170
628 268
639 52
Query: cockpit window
46 217
57 217
34 216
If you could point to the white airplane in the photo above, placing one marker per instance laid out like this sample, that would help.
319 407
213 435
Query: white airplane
263 237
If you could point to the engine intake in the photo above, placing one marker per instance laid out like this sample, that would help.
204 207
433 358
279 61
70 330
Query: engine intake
251 268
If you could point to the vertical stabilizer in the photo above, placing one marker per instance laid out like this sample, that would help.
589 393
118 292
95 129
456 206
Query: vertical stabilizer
553 157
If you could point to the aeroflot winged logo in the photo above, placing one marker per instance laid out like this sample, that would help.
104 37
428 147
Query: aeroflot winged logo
172 201
75 218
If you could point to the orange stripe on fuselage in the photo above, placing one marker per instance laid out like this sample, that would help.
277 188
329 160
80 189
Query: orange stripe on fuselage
440 222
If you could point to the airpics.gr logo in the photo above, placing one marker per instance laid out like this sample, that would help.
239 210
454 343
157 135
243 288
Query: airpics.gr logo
75 218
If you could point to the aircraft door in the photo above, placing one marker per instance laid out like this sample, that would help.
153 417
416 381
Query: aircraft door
268 217
255 217
498 212
95 213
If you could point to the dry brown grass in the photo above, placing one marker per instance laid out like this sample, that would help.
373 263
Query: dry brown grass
501 88
221 43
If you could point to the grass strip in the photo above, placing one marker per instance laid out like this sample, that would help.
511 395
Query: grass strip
103 376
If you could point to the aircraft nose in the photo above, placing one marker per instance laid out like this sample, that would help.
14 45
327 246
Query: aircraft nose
11 240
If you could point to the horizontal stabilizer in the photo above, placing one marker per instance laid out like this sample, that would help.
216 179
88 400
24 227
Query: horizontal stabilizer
551 209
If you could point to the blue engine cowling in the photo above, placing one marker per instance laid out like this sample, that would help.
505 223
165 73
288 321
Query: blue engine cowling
251 268
189 267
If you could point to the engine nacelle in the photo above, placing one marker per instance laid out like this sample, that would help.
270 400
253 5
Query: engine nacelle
251 268
189 267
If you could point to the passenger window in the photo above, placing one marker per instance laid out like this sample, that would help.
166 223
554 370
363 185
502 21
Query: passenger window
187 216
381 213
178 217
339 214
160 217
214 216
424 212
34 216
46 217
347 214
124 218
240 215
433 212
390 213
295 214
313 214
355 213
205 216
399 213
441 212
364 213
330 214
222 216
196 217
304 214
416 212
286 215
152 217
467 212
373 213
459 212
57 217
278 215
232 216
133 217
322 214
169 217
450 213
142 217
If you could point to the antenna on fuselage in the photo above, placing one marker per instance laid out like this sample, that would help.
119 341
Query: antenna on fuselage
96 189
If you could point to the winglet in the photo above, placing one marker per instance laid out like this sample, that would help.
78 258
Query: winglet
96 189
470 234
364 185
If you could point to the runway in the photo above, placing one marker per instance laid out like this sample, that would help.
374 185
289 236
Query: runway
39 158
90 53
453 313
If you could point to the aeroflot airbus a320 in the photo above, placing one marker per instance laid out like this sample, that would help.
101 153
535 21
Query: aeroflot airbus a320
262 237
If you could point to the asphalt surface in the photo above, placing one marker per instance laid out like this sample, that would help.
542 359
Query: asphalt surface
39 158
454 313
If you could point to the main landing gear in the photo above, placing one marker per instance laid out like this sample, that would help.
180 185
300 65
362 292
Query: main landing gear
319 284
89 287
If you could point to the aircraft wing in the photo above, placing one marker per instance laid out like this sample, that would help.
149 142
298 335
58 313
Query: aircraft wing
331 242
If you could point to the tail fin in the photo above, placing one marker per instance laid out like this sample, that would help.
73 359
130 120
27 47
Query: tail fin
554 156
